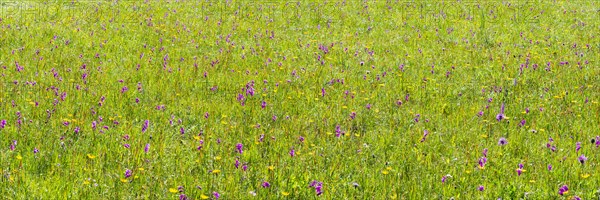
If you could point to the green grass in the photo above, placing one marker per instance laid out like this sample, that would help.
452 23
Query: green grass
455 58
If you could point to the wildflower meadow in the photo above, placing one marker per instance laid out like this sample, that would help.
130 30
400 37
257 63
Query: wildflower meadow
343 99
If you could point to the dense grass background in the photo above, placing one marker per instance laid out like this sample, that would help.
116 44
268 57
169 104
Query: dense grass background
385 72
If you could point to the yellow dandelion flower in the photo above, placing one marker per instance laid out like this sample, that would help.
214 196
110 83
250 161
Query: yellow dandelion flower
217 158
203 197
19 157
141 169
86 182
90 156
216 171
585 175
173 190
285 193
271 168
385 172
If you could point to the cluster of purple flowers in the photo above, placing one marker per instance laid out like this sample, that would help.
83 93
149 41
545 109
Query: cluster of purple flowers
318 187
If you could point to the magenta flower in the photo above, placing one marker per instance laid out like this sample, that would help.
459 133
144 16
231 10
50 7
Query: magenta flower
318 187
265 184
577 146
501 116
128 173
520 169
217 195
124 89
563 190
426 132
522 123
482 162
13 145
183 197
582 159
292 152
480 188
145 126
239 147
480 113
147 148
502 141
444 178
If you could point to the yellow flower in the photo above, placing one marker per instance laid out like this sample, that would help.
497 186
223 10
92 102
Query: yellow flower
203 197
19 157
216 171
384 172
141 169
123 180
90 156
173 190
271 168
285 193
217 158
585 175
86 182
